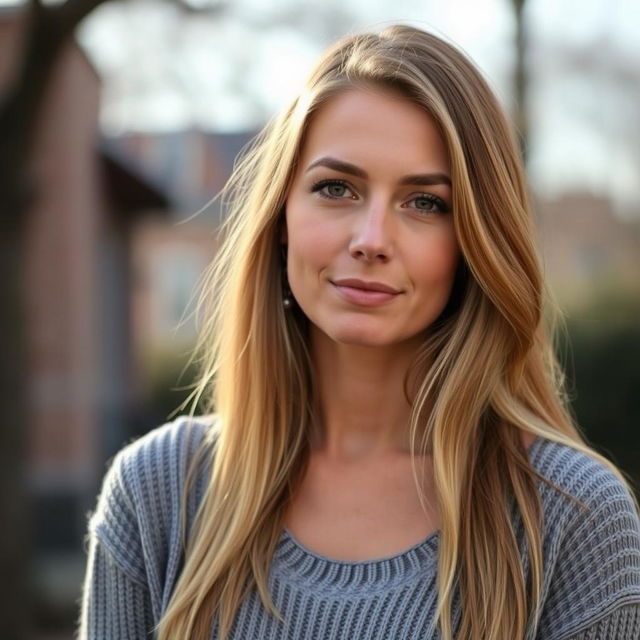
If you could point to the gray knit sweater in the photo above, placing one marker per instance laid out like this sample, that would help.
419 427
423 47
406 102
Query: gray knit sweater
592 559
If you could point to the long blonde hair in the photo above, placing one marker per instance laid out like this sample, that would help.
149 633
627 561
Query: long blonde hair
486 373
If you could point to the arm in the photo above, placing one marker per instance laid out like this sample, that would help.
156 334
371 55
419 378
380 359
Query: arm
594 571
116 600
135 548
114 603
621 624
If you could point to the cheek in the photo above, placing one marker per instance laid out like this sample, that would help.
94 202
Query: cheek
312 241
438 261
303 250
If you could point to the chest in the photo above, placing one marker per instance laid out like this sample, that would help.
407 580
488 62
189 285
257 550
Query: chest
361 512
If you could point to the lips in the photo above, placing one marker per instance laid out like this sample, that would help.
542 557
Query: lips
354 283
365 294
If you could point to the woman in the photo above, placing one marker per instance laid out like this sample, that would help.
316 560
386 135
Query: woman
391 455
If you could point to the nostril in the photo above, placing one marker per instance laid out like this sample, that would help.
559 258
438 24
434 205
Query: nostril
371 243
369 255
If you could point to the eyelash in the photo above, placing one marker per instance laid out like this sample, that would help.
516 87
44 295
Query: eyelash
317 187
443 207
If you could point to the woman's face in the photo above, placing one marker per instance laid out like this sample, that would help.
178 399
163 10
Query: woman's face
371 250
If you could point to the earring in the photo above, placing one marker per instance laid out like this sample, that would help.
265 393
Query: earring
287 298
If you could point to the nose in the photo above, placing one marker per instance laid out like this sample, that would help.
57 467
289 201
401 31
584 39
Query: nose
371 239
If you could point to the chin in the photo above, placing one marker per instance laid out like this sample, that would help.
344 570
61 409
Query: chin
364 331
362 341
359 336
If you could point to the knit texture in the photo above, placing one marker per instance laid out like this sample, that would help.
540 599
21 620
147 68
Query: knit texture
591 585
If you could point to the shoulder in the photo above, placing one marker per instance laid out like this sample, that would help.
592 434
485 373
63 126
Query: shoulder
158 461
163 451
580 487
142 492
591 539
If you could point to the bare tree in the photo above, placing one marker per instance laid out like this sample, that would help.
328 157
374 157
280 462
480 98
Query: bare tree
49 29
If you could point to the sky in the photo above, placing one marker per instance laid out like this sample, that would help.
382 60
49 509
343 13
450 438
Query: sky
274 60
164 70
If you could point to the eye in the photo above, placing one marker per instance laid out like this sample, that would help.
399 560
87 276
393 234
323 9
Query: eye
333 189
428 203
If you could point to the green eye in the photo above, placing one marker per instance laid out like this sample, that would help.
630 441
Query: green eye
424 203
333 189
336 190
428 203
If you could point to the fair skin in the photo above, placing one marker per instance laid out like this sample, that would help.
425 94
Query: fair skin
371 201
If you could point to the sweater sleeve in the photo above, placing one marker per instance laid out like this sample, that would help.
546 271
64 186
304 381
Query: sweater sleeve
594 590
115 600
622 624
135 541
114 604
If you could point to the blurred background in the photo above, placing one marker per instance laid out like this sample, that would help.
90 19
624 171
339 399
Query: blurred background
119 121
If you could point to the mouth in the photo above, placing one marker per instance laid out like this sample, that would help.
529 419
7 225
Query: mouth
365 294
364 285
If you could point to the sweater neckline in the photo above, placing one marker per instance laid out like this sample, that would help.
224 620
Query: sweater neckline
315 572
415 549
295 554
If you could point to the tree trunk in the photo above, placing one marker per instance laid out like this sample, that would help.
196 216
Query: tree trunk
48 30
520 79
14 531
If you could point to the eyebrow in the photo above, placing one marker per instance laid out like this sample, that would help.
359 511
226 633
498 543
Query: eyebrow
346 167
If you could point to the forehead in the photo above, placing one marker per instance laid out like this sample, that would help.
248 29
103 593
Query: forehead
369 123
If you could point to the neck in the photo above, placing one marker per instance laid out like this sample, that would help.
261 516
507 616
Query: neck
363 407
